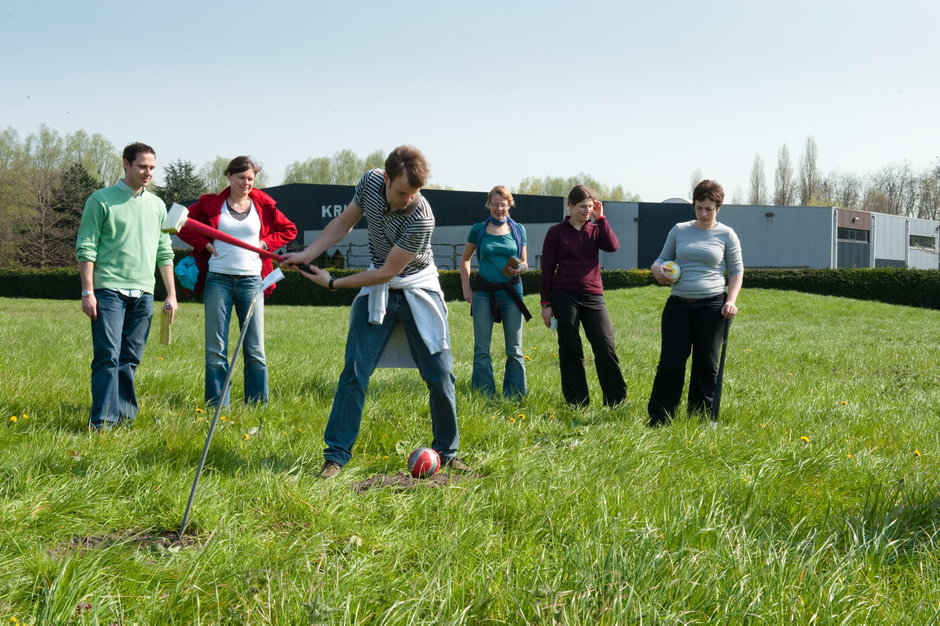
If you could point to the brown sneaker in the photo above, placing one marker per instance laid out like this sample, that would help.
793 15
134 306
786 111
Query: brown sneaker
456 465
330 469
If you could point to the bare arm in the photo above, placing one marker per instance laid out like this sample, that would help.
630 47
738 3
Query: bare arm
735 282
169 305
86 271
337 230
394 265
465 271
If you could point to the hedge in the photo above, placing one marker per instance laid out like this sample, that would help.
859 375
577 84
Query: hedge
920 288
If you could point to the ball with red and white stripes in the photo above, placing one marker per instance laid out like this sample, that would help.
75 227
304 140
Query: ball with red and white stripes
424 463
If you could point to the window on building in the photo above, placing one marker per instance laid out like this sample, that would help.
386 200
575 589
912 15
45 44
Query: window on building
924 242
853 234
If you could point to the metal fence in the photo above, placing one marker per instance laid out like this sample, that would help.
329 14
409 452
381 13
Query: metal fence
356 255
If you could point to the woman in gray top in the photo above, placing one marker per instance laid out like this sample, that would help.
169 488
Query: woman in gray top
698 308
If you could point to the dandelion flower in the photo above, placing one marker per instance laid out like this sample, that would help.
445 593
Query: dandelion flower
246 436
13 418
25 416
528 358
521 416
804 439
512 420
222 418
199 411
843 401
850 456
916 452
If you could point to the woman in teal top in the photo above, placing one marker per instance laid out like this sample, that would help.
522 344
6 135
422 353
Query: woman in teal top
496 294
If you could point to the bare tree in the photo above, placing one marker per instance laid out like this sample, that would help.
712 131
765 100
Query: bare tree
844 190
810 177
694 180
784 187
758 190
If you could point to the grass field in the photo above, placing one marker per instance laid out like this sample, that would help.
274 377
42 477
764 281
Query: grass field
816 500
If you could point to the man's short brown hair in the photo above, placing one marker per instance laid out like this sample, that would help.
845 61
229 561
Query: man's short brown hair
410 160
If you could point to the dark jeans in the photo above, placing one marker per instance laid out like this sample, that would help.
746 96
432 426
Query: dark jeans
694 327
118 337
573 310
364 346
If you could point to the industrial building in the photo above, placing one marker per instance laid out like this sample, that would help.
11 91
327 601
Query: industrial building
771 236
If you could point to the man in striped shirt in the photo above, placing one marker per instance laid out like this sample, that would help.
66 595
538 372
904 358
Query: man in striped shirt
401 286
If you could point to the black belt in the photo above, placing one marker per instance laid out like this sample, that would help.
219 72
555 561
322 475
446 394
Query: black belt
481 284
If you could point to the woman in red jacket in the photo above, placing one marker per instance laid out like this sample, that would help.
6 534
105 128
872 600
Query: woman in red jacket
231 276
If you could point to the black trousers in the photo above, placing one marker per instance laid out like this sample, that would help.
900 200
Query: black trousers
694 327
573 310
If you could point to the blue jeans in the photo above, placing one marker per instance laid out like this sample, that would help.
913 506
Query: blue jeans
118 337
364 346
514 383
223 292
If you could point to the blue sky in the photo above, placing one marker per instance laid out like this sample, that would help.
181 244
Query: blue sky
638 94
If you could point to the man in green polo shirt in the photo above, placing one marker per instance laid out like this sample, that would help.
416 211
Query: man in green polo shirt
119 243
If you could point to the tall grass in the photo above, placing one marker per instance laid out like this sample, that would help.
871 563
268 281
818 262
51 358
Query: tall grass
816 499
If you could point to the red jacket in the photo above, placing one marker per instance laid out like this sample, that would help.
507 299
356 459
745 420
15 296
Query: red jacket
276 229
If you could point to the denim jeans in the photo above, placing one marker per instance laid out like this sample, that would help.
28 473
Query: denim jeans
514 383
222 293
694 327
573 310
364 346
118 337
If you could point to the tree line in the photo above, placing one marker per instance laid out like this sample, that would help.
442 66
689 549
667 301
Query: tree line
896 189
46 177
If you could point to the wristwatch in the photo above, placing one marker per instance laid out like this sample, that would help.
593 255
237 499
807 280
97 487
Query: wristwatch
87 292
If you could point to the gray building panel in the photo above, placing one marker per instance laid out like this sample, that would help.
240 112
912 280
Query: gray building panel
624 220
788 237
888 235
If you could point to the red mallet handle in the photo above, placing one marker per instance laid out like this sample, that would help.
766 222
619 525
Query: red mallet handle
177 218
212 233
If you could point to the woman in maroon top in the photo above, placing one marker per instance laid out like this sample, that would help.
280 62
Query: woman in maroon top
573 294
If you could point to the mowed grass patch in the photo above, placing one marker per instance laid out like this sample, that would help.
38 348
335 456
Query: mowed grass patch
814 500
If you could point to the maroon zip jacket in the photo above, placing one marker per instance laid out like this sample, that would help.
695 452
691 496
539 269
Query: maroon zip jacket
570 260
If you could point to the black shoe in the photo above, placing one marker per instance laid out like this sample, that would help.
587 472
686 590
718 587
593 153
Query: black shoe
330 469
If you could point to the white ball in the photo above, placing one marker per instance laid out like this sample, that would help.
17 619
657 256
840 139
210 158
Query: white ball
672 270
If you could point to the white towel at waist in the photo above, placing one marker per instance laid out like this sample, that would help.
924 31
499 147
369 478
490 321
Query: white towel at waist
430 314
